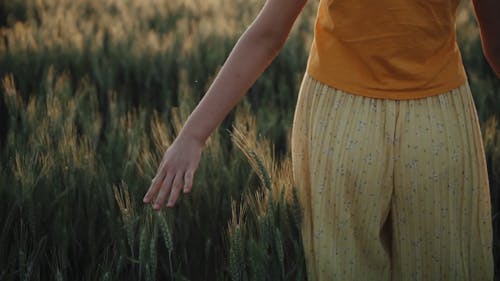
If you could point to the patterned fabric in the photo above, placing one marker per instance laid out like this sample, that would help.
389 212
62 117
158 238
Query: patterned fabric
391 189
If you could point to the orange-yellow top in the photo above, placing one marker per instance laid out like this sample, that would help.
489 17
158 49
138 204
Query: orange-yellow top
395 49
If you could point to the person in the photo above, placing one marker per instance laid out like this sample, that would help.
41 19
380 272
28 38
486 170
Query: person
386 148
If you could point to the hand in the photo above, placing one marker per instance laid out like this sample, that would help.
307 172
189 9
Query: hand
176 172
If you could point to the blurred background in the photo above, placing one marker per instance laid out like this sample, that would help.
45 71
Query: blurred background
92 92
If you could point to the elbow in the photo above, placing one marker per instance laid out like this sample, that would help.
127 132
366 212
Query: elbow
492 55
277 41
269 39
273 38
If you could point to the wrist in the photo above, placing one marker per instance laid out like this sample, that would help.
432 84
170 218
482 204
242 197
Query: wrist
186 136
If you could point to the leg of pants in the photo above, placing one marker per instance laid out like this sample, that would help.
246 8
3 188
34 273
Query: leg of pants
391 190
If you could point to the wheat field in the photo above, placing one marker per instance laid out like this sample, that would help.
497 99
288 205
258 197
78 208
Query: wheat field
92 92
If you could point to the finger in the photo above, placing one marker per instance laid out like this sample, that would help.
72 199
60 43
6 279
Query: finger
176 190
157 181
164 191
188 181
154 187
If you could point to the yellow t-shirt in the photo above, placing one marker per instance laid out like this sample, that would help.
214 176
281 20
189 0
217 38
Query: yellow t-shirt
395 49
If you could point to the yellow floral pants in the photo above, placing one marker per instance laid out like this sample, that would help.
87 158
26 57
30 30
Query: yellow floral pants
391 189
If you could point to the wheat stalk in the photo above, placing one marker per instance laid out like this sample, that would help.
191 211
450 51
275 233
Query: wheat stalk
122 198
153 254
280 251
143 246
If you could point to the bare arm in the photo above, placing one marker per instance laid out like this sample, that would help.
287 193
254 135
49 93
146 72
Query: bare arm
253 52
488 16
